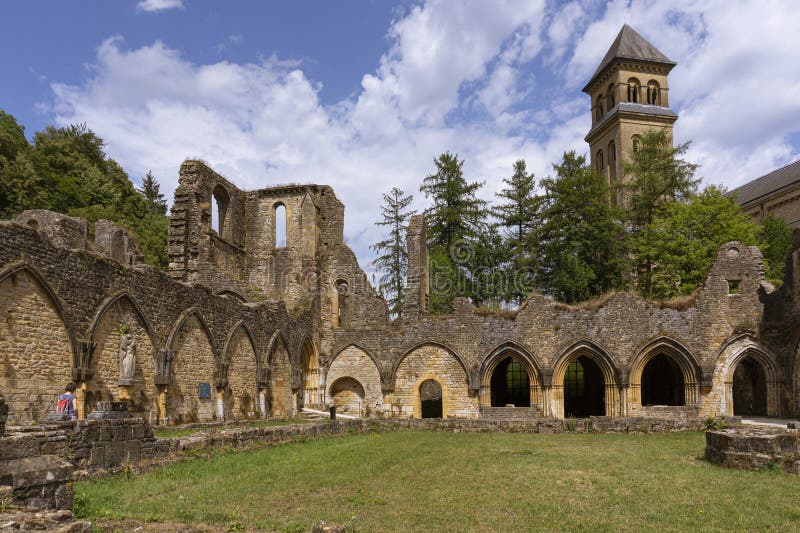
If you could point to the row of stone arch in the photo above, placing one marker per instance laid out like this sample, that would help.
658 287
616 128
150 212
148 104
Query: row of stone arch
664 378
183 380
636 93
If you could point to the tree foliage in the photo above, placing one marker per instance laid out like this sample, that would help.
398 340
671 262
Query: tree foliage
518 215
392 260
683 240
581 238
456 220
67 170
657 177
776 245
456 212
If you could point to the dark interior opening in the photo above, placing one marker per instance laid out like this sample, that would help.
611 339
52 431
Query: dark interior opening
749 388
584 389
662 382
430 397
510 384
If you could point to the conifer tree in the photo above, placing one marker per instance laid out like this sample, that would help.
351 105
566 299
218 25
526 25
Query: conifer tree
582 236
150 190
392 261
519 215
456 219
657 176
456 213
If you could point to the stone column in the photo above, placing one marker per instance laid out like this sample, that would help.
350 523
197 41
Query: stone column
221 405
80 400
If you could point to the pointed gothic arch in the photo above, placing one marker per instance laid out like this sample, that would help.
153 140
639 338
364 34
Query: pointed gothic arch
606 370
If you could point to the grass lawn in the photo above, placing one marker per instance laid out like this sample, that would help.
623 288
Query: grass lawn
425 481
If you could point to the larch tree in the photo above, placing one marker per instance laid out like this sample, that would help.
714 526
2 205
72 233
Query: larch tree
519 215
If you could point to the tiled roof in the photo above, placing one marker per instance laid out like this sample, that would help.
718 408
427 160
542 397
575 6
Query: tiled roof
769 183
631 45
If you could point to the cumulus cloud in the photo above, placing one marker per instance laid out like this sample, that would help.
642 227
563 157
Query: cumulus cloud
483 79
159 5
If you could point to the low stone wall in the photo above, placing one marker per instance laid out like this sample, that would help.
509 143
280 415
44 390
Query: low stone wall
594 424
755 448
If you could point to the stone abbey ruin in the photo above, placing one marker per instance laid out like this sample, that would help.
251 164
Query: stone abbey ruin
268 312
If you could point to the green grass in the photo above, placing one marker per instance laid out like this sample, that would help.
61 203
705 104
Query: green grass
178 431
424 481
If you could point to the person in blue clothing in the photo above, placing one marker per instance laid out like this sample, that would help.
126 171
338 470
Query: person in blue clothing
66 401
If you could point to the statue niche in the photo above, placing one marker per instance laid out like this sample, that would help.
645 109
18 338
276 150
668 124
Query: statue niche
127 357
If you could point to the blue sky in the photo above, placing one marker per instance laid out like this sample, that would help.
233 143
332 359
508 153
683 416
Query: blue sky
361 95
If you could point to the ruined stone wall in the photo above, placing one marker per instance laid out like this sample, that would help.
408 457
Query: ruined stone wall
242 390
35 348
282 399
354 363
439 364
104 383
193 364
621 332
59 317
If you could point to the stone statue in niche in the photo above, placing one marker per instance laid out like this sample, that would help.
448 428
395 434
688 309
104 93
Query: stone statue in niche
127 357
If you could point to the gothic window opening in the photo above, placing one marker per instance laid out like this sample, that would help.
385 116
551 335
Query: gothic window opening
599 108
430 399
749 388
600 163
584 389
634 90
612 161
280 226
219 210
662 382
510 384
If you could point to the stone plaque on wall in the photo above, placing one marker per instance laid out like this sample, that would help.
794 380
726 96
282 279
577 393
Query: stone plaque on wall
204 390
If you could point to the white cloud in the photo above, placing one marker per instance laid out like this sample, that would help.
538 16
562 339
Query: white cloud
263 123
158 5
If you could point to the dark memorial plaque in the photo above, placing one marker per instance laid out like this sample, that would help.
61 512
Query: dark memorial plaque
204 390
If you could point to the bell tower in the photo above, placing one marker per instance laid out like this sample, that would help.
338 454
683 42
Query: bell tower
629 95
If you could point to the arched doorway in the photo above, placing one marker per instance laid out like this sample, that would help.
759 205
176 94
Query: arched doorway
348 396
749 388
430 399
584 389
510 384
662 382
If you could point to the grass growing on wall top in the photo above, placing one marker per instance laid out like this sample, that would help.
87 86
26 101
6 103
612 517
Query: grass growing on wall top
430 481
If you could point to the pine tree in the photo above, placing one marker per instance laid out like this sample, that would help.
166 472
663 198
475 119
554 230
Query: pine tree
657 176
150 190
456 221
392 260
457 213
581 237
519 216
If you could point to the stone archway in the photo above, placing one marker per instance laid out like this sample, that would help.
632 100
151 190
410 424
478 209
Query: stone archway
584 383
510 384
430 399
749 388
348 395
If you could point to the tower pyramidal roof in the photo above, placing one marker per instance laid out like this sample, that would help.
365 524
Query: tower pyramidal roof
630 45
